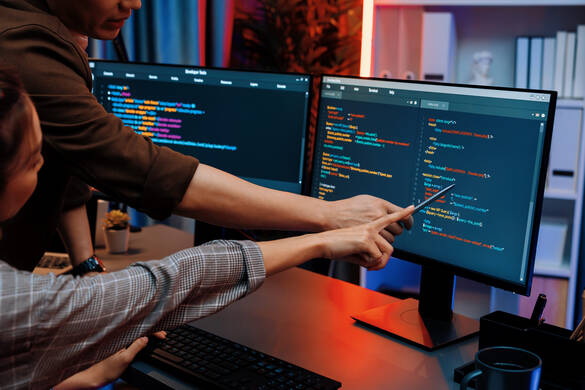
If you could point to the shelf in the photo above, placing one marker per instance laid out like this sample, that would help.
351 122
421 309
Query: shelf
556 194
558 271
395 44
481 3
570 103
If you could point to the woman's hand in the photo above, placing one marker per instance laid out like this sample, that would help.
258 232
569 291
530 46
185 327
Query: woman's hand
108 370
363 244
366 244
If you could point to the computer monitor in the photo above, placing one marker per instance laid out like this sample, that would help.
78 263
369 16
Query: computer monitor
250 124
403 141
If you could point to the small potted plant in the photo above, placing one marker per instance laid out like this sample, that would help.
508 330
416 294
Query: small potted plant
116 231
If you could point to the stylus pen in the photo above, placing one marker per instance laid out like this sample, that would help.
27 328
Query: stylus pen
436 196
428 201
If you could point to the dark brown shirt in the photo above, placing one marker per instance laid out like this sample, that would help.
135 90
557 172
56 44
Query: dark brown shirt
80 138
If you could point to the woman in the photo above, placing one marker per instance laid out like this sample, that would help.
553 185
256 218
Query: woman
52 327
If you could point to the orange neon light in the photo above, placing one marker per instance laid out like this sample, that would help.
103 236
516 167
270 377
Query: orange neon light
367 33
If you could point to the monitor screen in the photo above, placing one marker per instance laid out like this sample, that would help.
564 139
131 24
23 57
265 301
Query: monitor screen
250 124
404 141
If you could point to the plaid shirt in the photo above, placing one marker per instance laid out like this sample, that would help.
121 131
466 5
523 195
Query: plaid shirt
52 327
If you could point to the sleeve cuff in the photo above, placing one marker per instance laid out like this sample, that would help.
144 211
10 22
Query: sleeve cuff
167 182
253 269
77 194
256 272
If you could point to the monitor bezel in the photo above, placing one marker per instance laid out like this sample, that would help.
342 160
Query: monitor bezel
311 96
518 288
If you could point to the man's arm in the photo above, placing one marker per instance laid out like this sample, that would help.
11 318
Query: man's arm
96 147
217 197
74 231
83 139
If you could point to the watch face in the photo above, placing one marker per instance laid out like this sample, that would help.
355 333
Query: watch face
92 264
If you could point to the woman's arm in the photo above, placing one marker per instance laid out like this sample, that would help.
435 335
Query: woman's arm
369 248
61 325
80 321
363 245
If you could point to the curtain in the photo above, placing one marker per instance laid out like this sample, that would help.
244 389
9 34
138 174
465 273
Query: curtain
186 32
175 32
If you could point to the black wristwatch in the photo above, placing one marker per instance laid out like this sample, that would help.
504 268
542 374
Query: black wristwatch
93 264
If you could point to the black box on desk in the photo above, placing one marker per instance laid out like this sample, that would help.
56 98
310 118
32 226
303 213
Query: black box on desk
563 360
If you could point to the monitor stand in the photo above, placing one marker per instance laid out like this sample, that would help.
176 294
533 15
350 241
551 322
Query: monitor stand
429 322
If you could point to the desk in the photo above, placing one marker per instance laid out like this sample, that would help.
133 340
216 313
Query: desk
304 318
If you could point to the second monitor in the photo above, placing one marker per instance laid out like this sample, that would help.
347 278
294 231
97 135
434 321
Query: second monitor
404 141
250 124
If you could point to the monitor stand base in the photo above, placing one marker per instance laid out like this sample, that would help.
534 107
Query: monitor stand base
403 320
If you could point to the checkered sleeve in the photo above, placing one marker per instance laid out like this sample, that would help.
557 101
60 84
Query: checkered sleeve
52 327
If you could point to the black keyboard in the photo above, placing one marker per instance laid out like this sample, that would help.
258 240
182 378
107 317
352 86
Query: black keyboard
213 362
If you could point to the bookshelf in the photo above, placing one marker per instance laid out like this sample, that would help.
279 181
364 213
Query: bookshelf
391 44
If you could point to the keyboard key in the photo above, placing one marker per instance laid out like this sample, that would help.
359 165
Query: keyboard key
166 355
229 366
213 375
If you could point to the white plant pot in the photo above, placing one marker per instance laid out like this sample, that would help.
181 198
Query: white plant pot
117 240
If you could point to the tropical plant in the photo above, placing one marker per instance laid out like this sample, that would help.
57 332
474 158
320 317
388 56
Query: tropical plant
315 36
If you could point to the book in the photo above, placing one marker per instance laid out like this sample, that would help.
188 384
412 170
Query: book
400 36
551 242
569 66
522 55
560 61
535 71
438 47
548 63
564 151
579 82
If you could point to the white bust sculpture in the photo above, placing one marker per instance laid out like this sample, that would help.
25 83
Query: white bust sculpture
482 61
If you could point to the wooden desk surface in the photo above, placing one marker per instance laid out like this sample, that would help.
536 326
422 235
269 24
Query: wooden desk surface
152 243
304 318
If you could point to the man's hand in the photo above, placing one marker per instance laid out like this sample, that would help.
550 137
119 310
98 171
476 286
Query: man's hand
216 197
364 209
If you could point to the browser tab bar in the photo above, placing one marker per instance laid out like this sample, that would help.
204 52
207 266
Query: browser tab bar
434 105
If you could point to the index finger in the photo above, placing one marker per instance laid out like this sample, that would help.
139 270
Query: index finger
396 216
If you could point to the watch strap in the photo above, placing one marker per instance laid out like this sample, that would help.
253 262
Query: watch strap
92 264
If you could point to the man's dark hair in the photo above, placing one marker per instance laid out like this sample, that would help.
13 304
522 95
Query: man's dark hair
15 121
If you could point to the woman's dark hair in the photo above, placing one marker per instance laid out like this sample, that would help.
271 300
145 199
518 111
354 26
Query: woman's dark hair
15 121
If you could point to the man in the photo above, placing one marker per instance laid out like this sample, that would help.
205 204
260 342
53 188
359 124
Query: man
81 139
